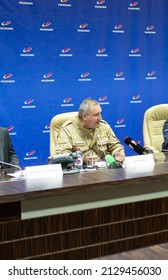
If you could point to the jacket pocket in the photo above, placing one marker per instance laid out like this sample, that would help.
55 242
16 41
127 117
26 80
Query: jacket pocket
80 143
102 141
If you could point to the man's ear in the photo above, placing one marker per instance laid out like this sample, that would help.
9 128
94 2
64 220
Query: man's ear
84 116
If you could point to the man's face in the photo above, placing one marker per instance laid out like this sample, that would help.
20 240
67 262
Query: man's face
92 120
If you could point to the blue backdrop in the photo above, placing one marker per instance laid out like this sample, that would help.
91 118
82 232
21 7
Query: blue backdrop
55 53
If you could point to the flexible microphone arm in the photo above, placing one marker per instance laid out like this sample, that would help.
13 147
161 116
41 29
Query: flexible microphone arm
12 165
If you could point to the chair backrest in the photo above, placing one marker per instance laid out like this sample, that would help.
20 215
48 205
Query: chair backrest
154 119
55 125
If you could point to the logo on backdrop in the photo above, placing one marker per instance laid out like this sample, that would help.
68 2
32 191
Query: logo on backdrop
83 28
7 78
46 128
134 6
119 76
64 3
151 76
28 104
45 26
102 100
5 25
66 52
85 77
26 2
47 78
30 155
118 28
120 123
32 152
27 52
101 52
11 130
150 30
136 99
135 52
66 102
100 4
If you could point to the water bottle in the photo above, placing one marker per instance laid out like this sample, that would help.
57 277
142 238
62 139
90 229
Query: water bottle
79 160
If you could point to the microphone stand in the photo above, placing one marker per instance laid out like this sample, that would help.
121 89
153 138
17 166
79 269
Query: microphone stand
5 170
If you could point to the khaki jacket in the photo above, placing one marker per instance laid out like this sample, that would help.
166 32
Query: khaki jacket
101 140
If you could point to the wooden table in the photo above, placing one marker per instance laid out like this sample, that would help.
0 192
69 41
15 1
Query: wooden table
155 252
84 215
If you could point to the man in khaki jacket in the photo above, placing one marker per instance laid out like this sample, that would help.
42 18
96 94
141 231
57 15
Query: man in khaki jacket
90 133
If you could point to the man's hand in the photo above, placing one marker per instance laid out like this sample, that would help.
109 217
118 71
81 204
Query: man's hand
90 156
119 154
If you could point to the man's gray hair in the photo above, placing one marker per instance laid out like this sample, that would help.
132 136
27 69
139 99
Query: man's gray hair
85 106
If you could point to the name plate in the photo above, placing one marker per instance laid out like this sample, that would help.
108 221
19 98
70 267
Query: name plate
43 171
140 160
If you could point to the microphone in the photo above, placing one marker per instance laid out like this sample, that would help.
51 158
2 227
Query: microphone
135 146
11 165
111 162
